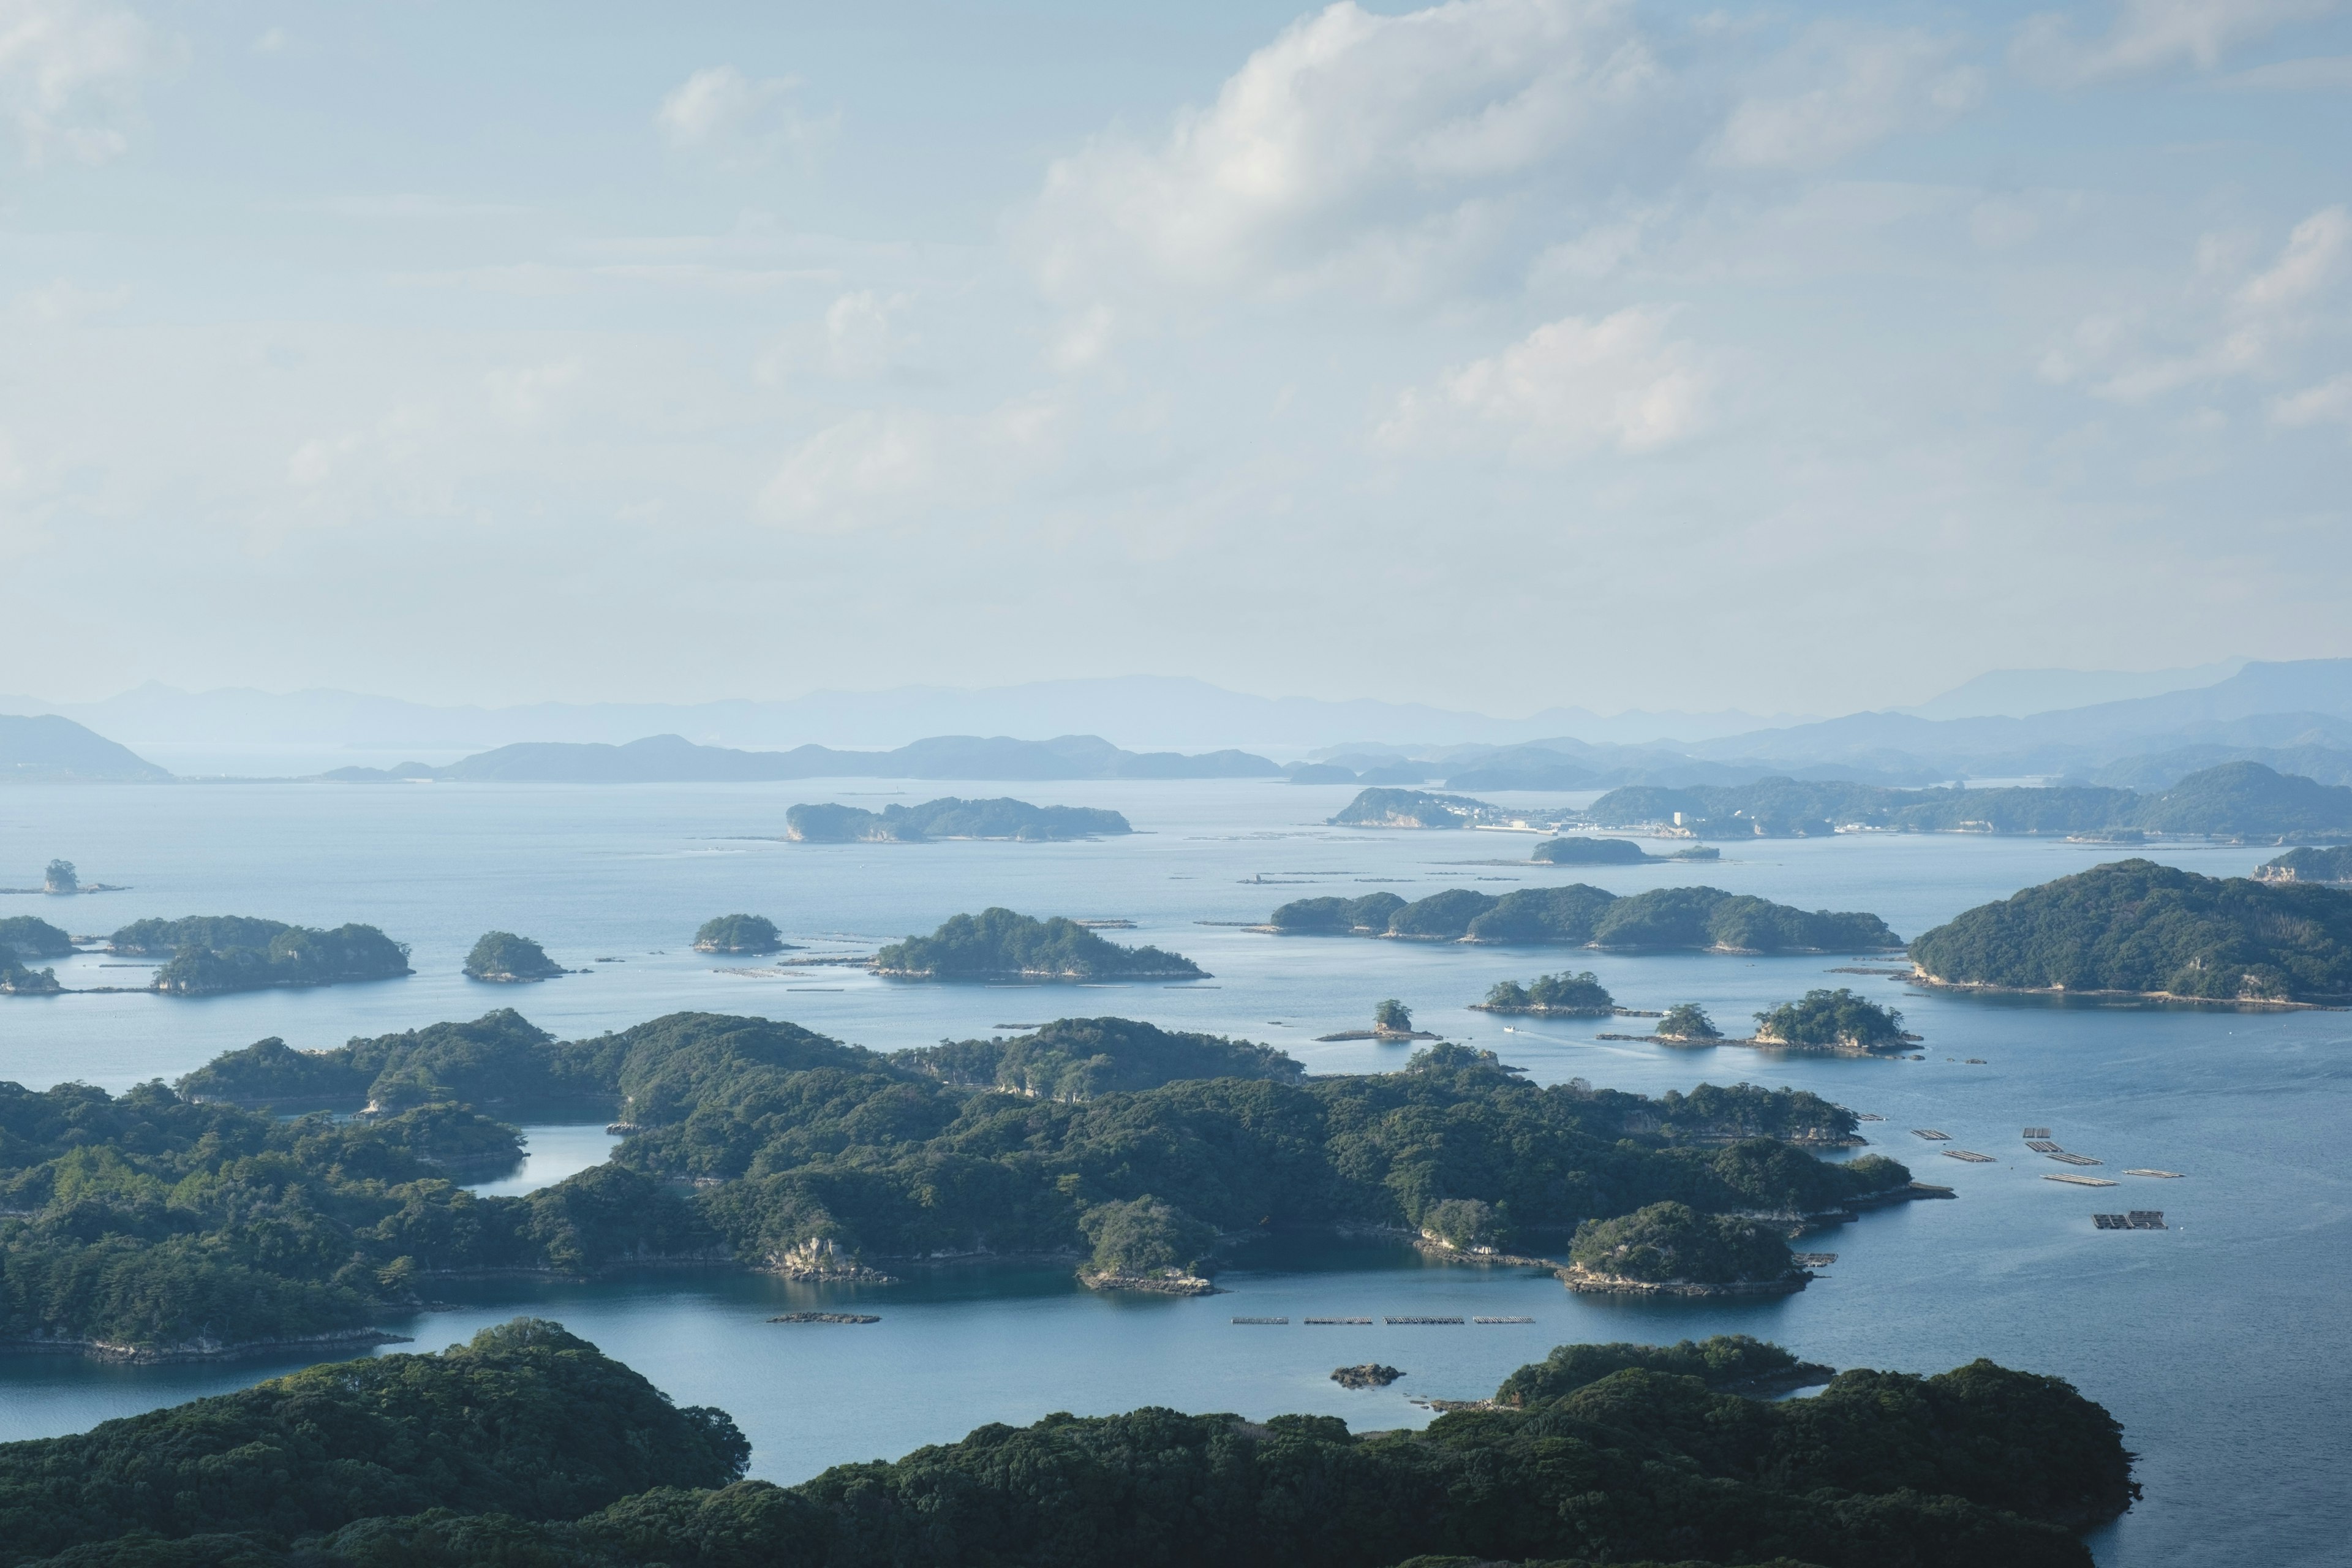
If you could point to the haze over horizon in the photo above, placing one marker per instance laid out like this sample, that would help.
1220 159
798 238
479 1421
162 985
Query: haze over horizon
1499 355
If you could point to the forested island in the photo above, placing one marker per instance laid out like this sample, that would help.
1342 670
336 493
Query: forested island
23 937
1579 915
949 817
2332 864
760 1144
2233 800
739 934
214 953
503 958
1559 996
1419 808
998 944
530 1448
1831 1021
2138 928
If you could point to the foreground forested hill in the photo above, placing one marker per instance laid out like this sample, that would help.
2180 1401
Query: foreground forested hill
528 1449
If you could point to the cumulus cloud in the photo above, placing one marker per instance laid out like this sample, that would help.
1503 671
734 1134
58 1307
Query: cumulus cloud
1842 88
721 114
1620 383
2236 319
68 72
879 465
1350 131
2152 35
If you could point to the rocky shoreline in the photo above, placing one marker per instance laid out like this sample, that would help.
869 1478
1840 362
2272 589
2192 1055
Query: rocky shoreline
204 1349
1585 1281
1150 1284
2166 998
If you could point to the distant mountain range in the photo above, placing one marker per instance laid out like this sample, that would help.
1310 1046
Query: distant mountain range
668 759
50 750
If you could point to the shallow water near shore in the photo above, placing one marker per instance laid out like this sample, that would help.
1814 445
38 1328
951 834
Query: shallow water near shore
2212 1341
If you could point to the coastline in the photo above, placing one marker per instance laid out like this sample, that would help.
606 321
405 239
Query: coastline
1585 1281
2165 998
201 1349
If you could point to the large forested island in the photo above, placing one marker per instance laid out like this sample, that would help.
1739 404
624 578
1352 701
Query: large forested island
2234 800
529 1449
2141 929
949 817
2331 864
213 954
161 1222
998 944
1419 808
1579 915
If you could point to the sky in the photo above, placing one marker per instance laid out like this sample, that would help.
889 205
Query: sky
1501 355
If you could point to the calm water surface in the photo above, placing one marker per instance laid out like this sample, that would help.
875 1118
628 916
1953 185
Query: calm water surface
2215 1342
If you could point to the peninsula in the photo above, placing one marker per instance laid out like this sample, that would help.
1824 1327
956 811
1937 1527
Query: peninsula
1671 1249
998 944
1579 915
2140 929
529 1446
2332 865
949 817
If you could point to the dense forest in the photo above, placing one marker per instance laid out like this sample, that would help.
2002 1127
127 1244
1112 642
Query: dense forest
2232 800
529 1449
1831 1020
1419 808
29 936
975 1147
739 934
950 818
503 956
213 954
1579 915
1576 996
1580 851
2135 926
1672 1242
998 944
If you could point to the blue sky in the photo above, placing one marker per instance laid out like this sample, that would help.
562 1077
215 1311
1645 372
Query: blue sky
1503 354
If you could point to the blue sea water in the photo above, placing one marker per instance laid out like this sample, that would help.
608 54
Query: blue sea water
2215 1340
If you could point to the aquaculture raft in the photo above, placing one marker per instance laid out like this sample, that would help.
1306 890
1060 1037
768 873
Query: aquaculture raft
1931 1135
2168 1176
2063 1158
2037 1132
1971 1155
827 1318
1266 1321
2137 1219
1394 1321
2081 1181
1329 1320
2044 1146
1502 1320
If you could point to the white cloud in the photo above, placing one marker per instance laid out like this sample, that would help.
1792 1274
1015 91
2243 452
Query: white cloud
724 115
1842 88
2235 318
529 392
2329 403
2152 35
68 70
1572 385
1350 133
879 465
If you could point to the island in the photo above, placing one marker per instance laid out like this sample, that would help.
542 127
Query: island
998 944
1391 1021
1706 919
502 958
1419 808
739 934
1013 820
527 1444
1560 996
29 937
1146 1245
2135 928
216 954
2234 800
2332 865
1578 850
1672 1249
1835 1020
1687 1022
16 980
756 1144
1370 1375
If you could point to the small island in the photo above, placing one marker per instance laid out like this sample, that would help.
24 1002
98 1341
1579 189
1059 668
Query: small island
1419 808
502 958
1017 821
1836 1021
1370 1374
2135 928
1001 944
739 934
61 881
1555 995
1672 1249
1584 851
1687 1023
1580 915
2331 865
212 955
16 980
1392 1020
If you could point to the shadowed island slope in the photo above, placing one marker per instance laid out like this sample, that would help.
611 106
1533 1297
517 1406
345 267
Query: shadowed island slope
2138 928
799 1148
950 817
529 1447
1000 944
1582 916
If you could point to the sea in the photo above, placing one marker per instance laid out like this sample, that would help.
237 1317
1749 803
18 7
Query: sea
2217 1341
